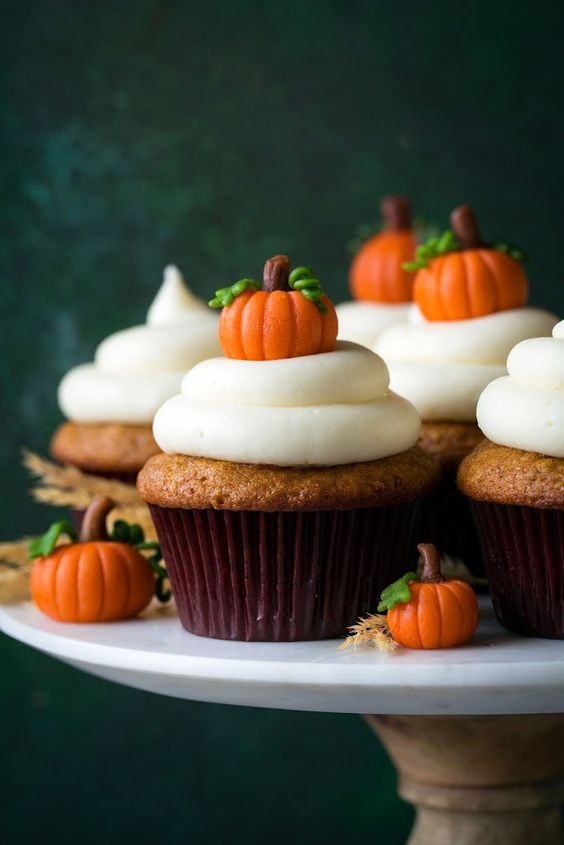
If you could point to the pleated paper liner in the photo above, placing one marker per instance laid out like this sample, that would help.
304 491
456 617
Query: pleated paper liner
446 521
524 556
257 576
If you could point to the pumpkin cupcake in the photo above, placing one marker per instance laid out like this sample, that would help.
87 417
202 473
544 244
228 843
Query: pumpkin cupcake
110 403
470 310
288 491
515 483
381 288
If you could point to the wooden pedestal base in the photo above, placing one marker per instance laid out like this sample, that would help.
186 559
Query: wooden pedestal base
479 780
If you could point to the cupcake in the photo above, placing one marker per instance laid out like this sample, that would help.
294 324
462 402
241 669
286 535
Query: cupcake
515 483
381 288
470 310
110 403
286 496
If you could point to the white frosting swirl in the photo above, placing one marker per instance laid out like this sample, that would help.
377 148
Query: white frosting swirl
525 409
318 410
442 367
137 369
364 322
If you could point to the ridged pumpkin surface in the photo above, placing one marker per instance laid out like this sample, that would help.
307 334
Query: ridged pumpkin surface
264 326
92 582
439 615
469 283
376 273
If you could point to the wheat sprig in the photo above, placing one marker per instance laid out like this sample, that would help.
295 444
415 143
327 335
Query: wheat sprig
372 631
66 485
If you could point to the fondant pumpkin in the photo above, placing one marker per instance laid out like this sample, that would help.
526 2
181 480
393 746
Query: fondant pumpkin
290 317
430 612
376 272
95 579
472 281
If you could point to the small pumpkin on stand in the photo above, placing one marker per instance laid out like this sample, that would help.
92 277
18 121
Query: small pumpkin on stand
459 277
426 611
95 577
291 316
376 273
430 611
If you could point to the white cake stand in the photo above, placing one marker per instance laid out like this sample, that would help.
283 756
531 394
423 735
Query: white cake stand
475 773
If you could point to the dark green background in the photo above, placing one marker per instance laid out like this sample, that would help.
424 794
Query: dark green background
213 135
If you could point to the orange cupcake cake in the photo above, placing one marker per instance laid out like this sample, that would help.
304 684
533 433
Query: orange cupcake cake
288 491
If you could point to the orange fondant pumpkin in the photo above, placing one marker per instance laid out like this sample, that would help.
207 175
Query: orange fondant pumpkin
431 612
376 272
470 282
95 579
277 322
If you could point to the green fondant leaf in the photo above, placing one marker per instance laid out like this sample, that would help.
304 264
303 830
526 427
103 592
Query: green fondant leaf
225 296
432 248
303 280
44 545
154 562
300 273
511 250
121 532
396 593
136 534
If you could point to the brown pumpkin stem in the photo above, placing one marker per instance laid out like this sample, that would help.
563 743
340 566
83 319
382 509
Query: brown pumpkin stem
431 572
396 213
465 227
276 273
94 521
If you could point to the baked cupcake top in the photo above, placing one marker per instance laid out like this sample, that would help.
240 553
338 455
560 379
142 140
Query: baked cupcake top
135 370
469 312
288 394
381 289
525 409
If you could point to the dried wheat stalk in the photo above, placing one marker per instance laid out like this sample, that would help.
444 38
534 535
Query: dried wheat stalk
14 571
66 486
371 631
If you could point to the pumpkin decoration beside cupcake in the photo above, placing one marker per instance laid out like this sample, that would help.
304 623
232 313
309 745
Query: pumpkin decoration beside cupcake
470 309
381 288
515 483
110 403
95 577
287 492
429 611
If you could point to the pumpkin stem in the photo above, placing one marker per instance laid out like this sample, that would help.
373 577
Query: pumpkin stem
431 572
465 227
276 273
94 520
396 213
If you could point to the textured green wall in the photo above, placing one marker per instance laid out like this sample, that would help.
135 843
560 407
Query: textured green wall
215 134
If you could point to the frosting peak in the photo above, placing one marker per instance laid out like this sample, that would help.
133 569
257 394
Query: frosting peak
525 409
318 410
135 370
173 300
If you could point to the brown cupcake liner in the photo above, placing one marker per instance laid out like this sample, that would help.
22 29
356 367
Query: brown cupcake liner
446 521
284 576
524 557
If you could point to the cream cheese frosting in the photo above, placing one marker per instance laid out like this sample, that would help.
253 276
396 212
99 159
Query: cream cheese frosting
442 367
525 409
137 369
364 322
319 410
